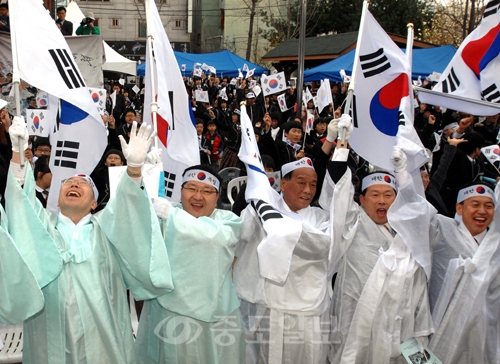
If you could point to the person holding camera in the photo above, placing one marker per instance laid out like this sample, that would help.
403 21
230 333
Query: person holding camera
87 26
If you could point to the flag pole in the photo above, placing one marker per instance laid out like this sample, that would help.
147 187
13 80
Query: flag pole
17 83
154 104
352 84
409 54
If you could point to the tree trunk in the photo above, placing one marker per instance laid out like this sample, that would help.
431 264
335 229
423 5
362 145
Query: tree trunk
464 25
472 17
250 29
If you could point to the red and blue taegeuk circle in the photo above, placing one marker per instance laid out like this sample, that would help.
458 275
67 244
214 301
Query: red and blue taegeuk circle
201 176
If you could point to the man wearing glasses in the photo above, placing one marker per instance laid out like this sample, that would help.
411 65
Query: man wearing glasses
199 321
84 263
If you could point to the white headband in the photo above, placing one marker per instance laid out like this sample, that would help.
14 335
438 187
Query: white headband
473 191
87 178
292 166
198 175
451 126
378 178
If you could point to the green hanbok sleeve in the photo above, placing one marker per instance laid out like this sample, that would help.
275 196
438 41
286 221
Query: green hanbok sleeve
20 296
131 225
28 224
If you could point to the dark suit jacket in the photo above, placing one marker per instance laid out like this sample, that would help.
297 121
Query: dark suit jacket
66 27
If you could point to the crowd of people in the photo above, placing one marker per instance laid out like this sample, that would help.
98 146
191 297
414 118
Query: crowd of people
367 265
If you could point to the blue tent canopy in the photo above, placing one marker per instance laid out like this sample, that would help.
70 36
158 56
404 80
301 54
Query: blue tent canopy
225 62
424 60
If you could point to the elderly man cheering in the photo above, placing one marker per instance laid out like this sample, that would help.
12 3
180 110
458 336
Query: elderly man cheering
84 263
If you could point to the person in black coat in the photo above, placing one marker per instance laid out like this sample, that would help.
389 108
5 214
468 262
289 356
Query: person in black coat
65 26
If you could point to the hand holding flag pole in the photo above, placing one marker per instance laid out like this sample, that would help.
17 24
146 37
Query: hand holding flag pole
154 104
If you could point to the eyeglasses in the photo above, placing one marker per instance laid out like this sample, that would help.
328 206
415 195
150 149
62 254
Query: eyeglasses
43 150
204 192
74 181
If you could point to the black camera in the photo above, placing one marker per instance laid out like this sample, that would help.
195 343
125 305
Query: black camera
88 20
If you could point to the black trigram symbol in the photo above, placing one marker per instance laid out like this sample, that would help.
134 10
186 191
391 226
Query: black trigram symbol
401 118
66 154
266 211
491 8
169 183
451 82
374 63
491 93
67 68
352 112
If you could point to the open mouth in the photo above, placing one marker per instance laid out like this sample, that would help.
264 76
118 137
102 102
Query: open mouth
381 212
73 194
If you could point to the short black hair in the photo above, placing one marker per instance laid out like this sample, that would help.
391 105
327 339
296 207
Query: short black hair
41 165
5 6
41 141
205 168
129 110
474 140
60 8
200 121
268 161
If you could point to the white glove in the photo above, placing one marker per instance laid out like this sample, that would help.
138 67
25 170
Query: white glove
399 160
154 156
18 131
345 127
332 132
162 206
136 150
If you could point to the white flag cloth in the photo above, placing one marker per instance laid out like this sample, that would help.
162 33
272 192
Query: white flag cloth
79 142
112 97
283 231
492 153
201 96
99 97
473 71
38 122
273 84
382 101
309 122
212 70
197 72
176 126
205 67
42 99
257 90
324 95
183 67
245 67
250 73
223 94
282 103
306 96
240 75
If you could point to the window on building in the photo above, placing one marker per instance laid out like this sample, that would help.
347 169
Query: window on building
116 23
178 24
142 29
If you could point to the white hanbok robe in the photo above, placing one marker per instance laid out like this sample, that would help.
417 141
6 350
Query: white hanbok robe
286 323
380 296
465 292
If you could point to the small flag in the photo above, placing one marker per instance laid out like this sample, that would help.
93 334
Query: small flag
201 96
183 67
282 103
42 99
245 67
250 73
98 96
222 94
273 84
492 153
38 122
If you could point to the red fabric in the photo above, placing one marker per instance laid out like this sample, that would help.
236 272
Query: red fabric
215 142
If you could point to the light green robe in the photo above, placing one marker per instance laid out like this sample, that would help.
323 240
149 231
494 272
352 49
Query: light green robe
84 272
16 281
199 321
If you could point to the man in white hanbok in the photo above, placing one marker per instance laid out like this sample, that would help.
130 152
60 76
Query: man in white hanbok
380 295
288 321
465 280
